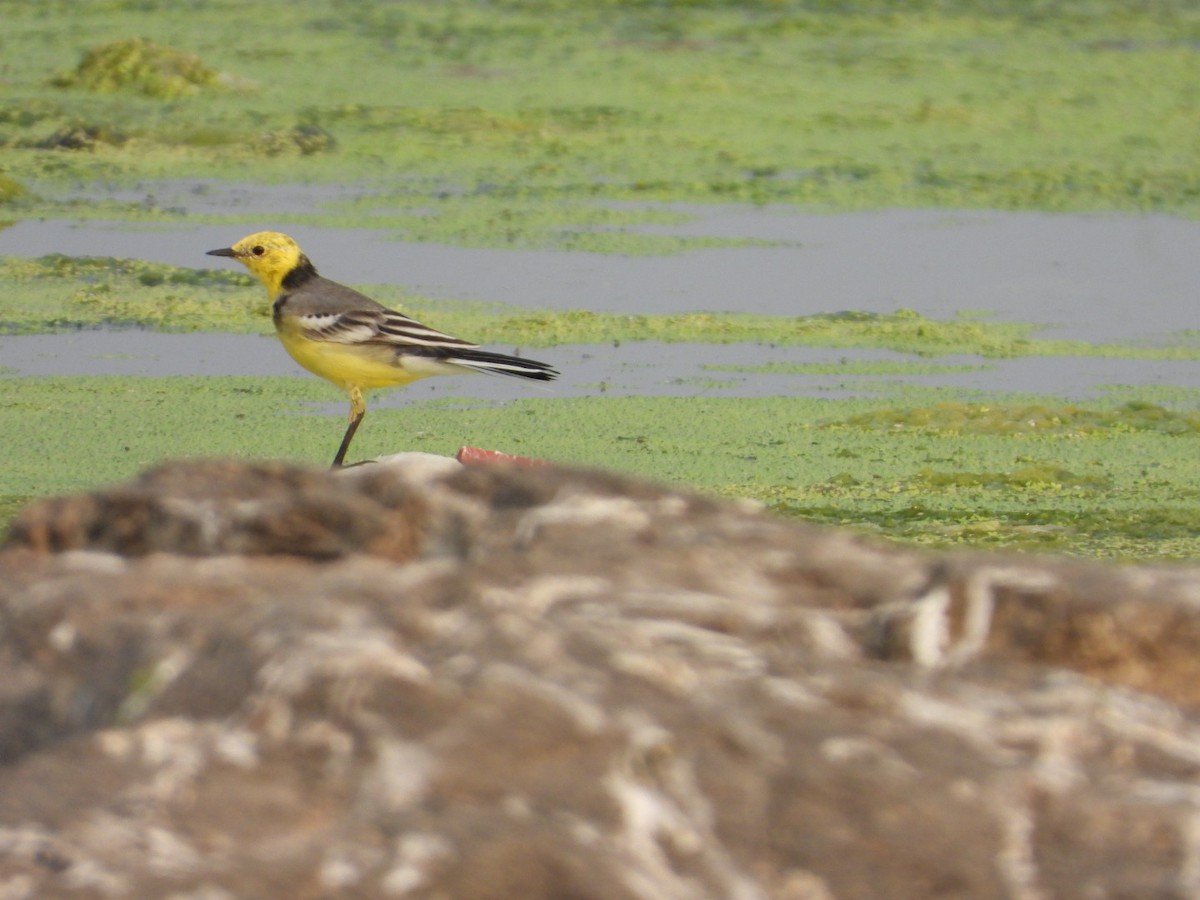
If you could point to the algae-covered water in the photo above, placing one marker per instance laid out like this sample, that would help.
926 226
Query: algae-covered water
499 123
925 270
1077 276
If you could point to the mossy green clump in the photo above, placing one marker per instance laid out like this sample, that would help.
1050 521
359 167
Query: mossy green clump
11 189
28 112
81 136
141 66
302 140
1044 476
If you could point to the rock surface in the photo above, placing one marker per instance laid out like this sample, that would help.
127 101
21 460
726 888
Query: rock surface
236 681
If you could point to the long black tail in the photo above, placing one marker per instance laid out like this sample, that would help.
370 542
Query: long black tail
502 364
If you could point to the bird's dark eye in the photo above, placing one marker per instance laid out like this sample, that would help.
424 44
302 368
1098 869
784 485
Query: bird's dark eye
259 250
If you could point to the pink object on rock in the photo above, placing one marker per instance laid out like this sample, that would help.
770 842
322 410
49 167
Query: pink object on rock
476 456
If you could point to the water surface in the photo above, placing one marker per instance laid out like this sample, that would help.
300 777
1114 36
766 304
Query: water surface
1099 278
1105 278
642 368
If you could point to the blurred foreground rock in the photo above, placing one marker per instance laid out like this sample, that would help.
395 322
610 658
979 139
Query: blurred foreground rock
232 681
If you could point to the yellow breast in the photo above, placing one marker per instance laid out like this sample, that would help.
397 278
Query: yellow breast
346 365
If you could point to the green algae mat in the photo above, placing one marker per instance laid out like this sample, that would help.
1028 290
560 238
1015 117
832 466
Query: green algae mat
507 123
1115 479
555 124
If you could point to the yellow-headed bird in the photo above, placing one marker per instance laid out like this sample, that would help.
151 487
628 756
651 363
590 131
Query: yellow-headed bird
349 339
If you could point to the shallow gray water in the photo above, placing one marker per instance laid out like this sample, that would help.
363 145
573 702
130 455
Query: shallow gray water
645 369
1090 277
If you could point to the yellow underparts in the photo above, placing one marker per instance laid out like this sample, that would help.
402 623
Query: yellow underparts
349 366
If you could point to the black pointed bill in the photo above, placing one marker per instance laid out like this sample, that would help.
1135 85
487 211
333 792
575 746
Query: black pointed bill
222 251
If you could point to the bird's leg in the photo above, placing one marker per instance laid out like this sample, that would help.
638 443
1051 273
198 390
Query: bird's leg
358 409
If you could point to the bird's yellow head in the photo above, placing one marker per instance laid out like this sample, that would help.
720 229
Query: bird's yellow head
269 255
